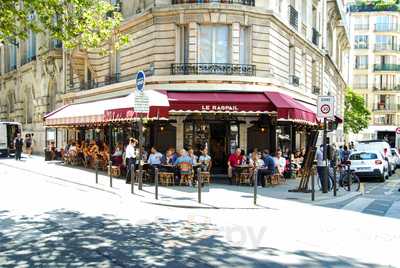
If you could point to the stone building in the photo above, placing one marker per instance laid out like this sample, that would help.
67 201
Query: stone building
191 48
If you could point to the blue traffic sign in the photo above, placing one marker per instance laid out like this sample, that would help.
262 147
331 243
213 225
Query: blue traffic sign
140 81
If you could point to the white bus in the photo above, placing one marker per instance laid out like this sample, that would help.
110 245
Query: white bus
8 132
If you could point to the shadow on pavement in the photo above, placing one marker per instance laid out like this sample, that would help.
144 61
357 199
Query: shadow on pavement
69 239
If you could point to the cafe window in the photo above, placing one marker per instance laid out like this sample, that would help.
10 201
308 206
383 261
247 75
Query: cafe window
196 135
214 44
233 136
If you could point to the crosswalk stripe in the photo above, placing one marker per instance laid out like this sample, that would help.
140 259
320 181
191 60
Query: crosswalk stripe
394 210
358 204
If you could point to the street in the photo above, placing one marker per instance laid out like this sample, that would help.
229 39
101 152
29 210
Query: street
57 221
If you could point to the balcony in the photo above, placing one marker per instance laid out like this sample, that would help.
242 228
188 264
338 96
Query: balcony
238 2
293 17
385 107
386 47
213 68
386 67
26 60
371 7
386 27
361 26
386 88
361 46
294 80
316 90
360 86
315 36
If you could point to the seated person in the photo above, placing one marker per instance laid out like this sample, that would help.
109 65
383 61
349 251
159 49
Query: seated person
192 156
154 158
235 160
168 158
280 162
268 168
116 157
182 161
72 151
205 160
52 150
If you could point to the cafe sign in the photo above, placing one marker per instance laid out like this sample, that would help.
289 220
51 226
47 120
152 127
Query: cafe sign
220 108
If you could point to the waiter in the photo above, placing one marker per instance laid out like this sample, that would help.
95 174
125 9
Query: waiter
130 158
18 143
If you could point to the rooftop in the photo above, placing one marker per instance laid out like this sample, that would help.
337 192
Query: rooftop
374 6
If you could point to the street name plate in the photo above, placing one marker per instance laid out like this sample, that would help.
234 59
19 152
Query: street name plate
141 103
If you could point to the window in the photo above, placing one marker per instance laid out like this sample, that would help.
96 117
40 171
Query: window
385 82
364 156
184 40
360 81
292 59
214 44
361 62
361 23
385 59
385 23
385 42
244 45
117 62
31 42
304 11
361 41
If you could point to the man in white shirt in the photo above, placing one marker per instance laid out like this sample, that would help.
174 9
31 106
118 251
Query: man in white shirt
320 163
280 162
130 156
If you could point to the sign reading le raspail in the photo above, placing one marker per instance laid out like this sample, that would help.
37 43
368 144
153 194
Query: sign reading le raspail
326 106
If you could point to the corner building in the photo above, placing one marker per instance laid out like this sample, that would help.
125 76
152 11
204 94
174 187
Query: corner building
233 73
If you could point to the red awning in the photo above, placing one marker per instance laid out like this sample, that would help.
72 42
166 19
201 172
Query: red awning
219 102
158 107
289 109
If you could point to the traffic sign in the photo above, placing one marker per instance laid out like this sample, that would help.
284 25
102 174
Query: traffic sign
140 77
141 103
398 130
326 107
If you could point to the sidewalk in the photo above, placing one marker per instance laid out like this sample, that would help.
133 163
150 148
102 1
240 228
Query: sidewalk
214 196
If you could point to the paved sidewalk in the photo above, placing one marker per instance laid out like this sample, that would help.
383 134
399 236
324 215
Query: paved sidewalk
213 196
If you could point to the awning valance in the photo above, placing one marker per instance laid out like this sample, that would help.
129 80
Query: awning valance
96 112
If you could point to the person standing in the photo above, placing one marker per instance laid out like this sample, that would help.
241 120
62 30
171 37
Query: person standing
321 165
28 144
130 157
18 143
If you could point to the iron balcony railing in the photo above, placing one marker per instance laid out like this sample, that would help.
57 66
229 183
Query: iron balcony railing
25 60
315 36
361 26
386 27
387 67
294 80
361 46
293 17
240 2
213 68
386 47
384 107
386 88
316 90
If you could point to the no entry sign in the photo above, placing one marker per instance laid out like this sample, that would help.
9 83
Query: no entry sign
326 106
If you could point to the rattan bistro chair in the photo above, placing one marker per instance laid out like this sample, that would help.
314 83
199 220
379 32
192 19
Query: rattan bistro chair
186 171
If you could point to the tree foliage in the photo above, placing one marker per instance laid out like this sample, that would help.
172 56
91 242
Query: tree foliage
356 115
77 23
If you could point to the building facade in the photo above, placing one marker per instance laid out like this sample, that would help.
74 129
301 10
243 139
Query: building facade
246 46
376 74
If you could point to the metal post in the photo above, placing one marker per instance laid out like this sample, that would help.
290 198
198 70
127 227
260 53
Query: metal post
110 169
349 177
313 186
132 178
97 171
140 179
334 179
199 181
255 186
325 181
156 182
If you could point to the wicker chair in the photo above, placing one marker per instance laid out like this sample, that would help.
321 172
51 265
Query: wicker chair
186 170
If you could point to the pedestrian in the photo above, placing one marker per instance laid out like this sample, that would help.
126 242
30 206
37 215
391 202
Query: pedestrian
28 144
130 158
321 165
18 143
267 169
345 155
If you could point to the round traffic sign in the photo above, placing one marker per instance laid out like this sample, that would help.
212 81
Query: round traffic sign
325 109
140 81
398 130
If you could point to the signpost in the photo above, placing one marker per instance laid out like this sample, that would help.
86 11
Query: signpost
325 110
141 107
398 131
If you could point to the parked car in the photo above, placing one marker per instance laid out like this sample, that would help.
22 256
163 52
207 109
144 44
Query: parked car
396 156
369 164
380 146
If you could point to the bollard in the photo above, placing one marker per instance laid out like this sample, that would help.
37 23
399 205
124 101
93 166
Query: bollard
156 182
97 171
132 179
334 180
255 186
362 188
140 176
199 181
349 177
313 187
110 169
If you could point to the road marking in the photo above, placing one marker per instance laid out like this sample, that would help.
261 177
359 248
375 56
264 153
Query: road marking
358 204
394 210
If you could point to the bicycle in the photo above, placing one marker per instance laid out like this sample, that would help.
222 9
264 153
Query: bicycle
343 177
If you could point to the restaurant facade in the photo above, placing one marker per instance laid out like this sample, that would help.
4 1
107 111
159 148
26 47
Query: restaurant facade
218 75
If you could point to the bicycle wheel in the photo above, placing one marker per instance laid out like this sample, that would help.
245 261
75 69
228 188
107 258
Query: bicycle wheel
353 180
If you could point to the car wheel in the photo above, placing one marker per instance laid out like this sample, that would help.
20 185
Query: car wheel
382 178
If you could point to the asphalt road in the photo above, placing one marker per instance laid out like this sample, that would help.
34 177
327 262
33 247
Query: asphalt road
48 222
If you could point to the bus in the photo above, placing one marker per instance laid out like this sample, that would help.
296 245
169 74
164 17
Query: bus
8 132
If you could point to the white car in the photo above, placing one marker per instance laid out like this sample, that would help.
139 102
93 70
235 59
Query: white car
369 164
396 156
381 146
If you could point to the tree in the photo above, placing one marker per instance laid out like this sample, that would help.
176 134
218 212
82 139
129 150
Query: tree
77 23
356 115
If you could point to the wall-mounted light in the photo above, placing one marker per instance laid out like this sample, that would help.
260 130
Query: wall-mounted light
263 129
162 128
